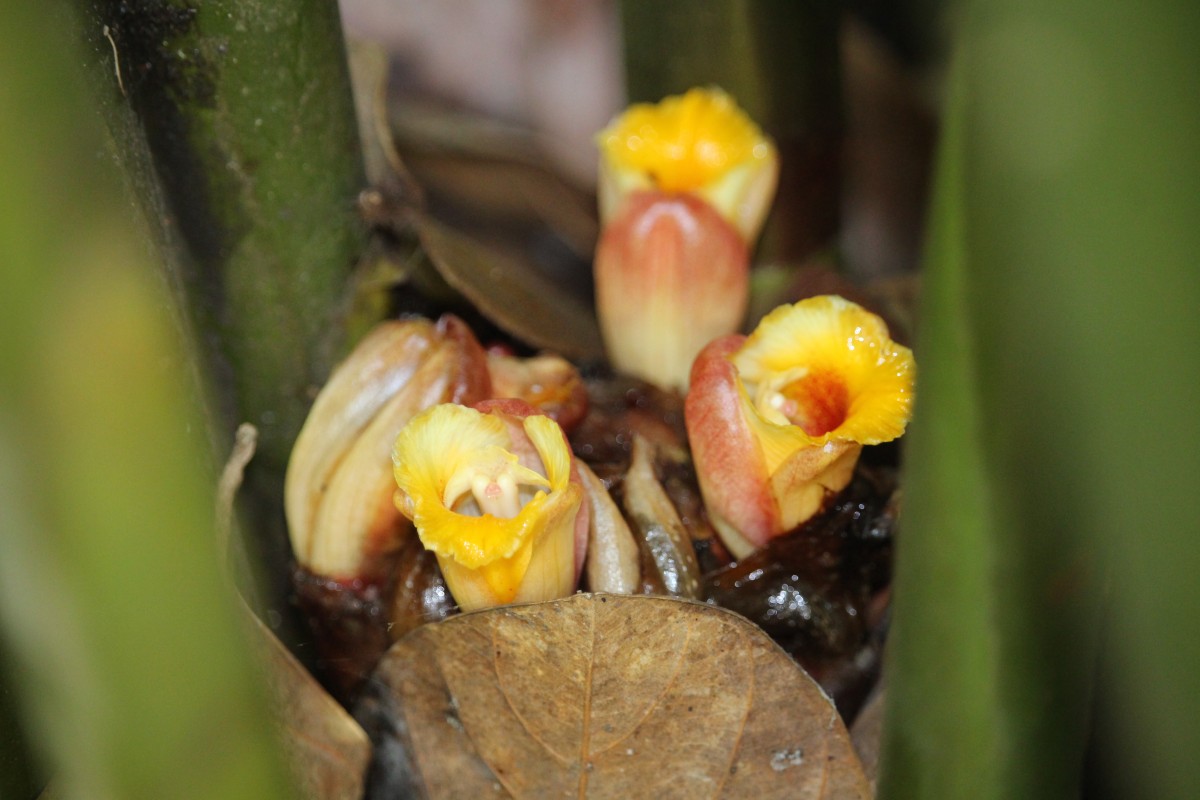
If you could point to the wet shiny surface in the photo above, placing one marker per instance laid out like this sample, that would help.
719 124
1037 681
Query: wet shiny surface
811 589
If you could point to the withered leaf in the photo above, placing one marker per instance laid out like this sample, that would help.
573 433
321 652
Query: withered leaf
511 293
604 696
867 732
326 749
490 175
369 63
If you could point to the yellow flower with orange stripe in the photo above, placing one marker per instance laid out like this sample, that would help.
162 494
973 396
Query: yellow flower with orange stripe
777 420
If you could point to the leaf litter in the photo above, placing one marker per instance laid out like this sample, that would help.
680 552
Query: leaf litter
602 696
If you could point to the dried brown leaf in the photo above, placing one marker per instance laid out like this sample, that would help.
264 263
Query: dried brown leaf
605 696
512 294
368 62
867 732
327 750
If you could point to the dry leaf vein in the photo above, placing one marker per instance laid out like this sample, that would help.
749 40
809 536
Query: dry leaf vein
512 708
586 722
667 686
737 744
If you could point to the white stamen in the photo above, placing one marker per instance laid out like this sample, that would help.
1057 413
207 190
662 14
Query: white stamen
496 496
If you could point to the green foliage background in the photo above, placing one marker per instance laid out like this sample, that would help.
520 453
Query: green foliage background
1055 443
1049 526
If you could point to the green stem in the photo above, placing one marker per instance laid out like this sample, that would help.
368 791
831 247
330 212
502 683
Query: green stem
19 777
236 124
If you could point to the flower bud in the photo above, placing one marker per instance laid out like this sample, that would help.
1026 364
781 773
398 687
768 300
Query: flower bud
699 143
338 490
684 188
671 275
548 382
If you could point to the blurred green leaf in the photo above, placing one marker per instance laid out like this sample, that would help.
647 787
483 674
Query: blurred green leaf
133 680
1054 446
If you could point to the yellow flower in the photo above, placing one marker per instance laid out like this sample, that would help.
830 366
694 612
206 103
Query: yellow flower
697 143
684 188
776 420
491 495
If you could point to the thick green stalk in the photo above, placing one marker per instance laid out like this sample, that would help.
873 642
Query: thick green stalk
236 124
779 59
118 631
1053 453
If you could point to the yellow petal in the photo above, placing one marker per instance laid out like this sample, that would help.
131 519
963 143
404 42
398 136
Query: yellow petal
443 458
543 568
699 143
684 142
783 414
778 441
803 483
833 365
547 438
495 583
551 572
432 451
438 443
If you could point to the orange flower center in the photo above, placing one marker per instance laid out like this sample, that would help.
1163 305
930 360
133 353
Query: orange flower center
819 402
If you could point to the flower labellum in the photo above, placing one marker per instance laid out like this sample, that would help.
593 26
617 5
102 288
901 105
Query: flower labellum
492 493
777 420
684 188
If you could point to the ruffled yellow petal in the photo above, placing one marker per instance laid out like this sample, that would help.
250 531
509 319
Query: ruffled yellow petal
501 531
437 458
697 143
825 370
686 141
439 442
